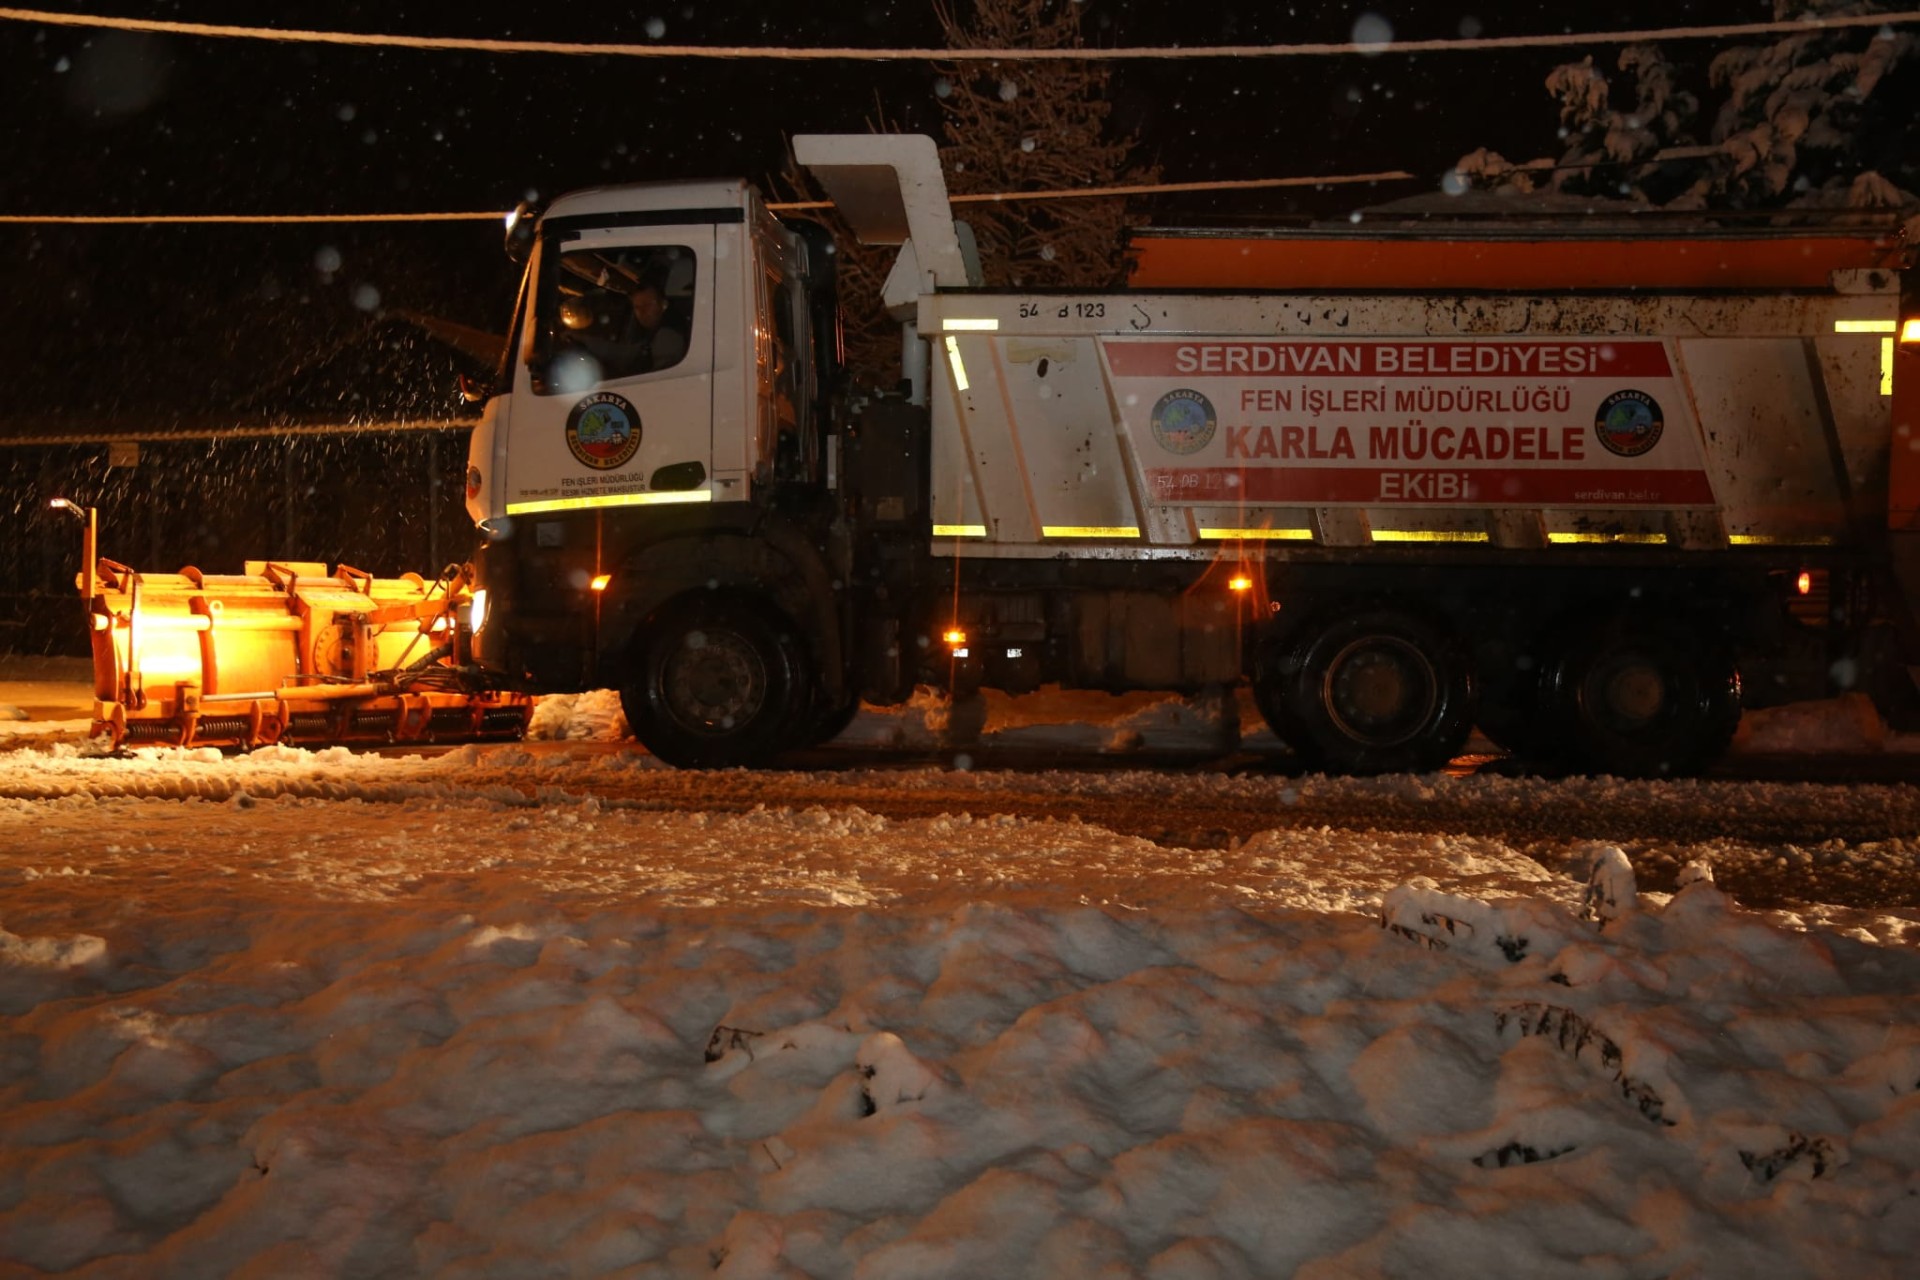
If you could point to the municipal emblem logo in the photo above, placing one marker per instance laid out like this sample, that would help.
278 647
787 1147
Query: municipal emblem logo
1629 423
603 431
1183 421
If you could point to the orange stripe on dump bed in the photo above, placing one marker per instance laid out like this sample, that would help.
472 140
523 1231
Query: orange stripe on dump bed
1343 263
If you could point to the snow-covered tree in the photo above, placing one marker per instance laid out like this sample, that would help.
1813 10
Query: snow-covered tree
1014 126
1808 118
1034 126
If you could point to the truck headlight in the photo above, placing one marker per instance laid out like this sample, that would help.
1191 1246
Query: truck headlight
477 611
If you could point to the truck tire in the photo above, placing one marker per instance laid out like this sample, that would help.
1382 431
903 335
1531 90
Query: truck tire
1513 711
829 722
718 681
1268 684
1644 698
1379 689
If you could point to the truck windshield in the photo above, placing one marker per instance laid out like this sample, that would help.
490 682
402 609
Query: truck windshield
608 313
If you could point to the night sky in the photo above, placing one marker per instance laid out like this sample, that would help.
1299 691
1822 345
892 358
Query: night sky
122 326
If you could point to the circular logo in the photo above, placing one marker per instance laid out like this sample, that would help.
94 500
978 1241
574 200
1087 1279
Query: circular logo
1183 421
603 431
1629 423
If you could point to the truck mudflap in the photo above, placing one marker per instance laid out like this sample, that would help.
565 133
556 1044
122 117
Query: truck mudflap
288 652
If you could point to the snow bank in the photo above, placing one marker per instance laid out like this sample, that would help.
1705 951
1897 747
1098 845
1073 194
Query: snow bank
510 1011
505 1085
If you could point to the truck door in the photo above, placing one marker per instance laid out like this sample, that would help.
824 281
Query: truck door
613 400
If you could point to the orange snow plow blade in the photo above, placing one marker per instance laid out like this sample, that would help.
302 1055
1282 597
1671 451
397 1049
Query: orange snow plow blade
287 652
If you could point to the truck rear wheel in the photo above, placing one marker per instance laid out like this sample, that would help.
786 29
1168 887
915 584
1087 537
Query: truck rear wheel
1513 711
829 721
1645 698
719 681
1377 690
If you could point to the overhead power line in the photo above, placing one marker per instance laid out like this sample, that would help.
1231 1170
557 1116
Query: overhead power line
848 53
785 206
38 435
169 219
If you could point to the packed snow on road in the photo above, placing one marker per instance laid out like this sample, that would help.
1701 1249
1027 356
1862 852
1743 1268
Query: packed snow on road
486 1014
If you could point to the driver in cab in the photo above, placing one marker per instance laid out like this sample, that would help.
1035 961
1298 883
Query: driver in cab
636 337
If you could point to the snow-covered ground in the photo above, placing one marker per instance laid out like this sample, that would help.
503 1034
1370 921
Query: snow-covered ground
318 1013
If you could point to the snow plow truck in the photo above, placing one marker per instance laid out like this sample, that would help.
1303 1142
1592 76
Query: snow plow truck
1587 483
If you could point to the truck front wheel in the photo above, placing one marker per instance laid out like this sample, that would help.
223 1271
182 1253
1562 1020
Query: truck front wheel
718 681
1645 698
1375 690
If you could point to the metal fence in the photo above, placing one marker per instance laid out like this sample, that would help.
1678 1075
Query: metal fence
388 503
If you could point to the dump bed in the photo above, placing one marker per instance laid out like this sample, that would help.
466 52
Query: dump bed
1154 424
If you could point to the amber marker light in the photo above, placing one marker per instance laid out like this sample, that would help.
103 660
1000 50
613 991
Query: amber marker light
1804 583
1910 332
600 581
1239 582
954 636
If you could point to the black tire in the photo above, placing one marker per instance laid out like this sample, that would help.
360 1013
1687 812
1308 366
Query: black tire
829 722
1378 689
1644 698
1269 688
1512 709
718 681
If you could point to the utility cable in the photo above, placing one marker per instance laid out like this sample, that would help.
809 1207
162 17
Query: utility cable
782 206
1077 53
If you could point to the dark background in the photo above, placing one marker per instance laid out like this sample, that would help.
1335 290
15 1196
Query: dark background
197 332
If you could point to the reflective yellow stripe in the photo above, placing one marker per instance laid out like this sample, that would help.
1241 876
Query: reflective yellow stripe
1558 538
660 498
1429 535
1888 327
959 369
1777 540
1249 535
969 326
959 531
1089 531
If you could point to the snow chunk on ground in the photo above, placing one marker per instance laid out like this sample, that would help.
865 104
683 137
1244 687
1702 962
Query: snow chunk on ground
81 952
594 716
1849 723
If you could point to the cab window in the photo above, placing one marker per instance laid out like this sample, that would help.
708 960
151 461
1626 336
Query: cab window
609 313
